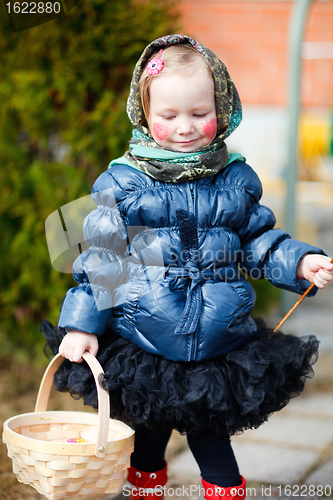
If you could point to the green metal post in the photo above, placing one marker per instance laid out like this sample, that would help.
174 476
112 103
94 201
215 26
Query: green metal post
296 30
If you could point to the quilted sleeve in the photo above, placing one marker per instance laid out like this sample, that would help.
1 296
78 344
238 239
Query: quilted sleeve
101 268
267 252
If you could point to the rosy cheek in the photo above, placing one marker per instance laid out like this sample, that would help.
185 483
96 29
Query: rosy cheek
210 128
160 131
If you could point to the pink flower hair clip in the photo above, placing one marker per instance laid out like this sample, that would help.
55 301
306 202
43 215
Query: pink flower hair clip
155 65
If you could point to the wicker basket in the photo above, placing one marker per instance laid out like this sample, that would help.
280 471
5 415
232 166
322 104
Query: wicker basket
42 457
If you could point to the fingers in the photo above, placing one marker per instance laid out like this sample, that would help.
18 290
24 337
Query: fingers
324 262
75 343
61 350
77 354
323 277
73 353
314 262
93 350
317 269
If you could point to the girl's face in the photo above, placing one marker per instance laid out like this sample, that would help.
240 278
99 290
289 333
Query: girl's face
182 112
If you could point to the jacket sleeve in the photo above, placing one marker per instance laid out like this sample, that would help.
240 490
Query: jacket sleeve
267 252
99 270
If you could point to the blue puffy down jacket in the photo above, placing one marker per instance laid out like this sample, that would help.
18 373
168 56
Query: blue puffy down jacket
163 263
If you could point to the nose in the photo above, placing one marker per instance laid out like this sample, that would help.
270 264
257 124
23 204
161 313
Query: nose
185 126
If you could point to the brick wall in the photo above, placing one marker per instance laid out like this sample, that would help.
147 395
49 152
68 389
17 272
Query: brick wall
251 38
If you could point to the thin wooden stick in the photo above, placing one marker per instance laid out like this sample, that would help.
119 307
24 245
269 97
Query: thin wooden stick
292 309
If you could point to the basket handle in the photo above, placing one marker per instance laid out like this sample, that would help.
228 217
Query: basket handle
102 394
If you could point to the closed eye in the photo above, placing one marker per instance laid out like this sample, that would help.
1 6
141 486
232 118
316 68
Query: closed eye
197 115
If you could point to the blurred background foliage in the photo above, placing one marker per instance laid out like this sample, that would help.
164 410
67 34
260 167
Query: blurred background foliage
63 91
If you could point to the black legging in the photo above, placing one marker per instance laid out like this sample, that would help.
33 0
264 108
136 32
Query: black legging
213 454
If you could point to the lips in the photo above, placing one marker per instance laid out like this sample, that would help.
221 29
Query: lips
186 146
185 143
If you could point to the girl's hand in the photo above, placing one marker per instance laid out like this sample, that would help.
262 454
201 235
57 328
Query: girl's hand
75 343
317 269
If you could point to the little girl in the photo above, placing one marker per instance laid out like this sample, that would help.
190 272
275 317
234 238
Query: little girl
174 333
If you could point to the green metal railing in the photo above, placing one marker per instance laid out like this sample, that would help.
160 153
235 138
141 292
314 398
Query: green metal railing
296 31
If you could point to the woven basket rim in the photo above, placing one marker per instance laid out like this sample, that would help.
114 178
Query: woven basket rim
29 443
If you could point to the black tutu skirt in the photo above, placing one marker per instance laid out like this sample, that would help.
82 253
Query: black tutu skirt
227 394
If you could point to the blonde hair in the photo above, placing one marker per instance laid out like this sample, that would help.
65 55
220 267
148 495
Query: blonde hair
183 56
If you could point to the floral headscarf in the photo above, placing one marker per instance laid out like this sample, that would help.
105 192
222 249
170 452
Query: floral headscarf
171 166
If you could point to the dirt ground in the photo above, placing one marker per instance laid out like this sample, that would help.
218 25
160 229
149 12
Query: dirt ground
18 386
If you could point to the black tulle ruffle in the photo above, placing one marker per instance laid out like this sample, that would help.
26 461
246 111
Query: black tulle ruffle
226 394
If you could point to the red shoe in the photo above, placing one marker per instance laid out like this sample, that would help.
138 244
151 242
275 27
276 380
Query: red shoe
213 492
147 485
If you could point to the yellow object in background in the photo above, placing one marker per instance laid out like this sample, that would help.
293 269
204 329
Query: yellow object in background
314 142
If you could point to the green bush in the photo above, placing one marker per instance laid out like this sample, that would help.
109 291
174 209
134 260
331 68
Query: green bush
63 91
267 296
